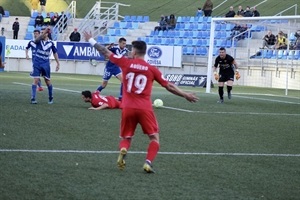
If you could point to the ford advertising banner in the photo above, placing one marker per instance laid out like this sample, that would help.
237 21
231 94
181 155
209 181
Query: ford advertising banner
78 51
187 80
168 56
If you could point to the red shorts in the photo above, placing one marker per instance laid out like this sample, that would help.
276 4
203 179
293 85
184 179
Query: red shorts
131 117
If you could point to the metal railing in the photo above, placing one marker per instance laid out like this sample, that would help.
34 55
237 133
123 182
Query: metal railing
293 6
100 17
67 19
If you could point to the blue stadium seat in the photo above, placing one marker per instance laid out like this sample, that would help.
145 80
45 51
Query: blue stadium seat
128 25
218 34
215 51
208 19
34 15
139 19
228 43
199 43
189 42
116 25
190 51
229 27
223 35
195 34
223 27
123 24
285 54
118 32
6 13
181 33
165 41
178 42
135 25
192 20
111 32
30 29
100 39
194 43
31 22
199 35
179 19
126 18
28 36
297 55
172 41
184 50
203 51
106 40
200 19
171 33
218 27
146 19
205 34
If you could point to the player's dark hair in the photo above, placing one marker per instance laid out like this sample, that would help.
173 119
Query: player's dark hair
140 47
122 39
87 94
222 49
36 31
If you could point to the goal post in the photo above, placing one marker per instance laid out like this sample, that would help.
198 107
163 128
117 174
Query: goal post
288 65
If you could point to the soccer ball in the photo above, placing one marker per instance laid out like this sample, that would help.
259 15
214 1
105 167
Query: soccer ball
158 103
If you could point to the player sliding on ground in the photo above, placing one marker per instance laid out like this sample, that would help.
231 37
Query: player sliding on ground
99 102
138 77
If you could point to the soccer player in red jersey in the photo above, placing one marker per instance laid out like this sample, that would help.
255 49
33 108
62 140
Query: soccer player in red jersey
138 77
98 101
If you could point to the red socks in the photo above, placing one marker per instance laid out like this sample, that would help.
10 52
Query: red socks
152 150
125 143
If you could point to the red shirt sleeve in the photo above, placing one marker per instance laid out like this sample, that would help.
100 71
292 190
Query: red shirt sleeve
119 60
159 77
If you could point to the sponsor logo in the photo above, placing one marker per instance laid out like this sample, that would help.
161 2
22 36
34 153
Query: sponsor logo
154 52
68 49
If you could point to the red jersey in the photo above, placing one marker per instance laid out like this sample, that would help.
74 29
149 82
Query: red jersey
98 100
138 77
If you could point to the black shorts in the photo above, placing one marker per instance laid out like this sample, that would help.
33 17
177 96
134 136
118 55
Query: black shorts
42 2
226 77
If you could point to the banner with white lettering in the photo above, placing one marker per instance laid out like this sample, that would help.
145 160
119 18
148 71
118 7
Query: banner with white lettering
168 56
78 51
16 49
187 80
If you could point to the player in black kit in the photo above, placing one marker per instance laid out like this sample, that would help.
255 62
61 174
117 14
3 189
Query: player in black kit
227 69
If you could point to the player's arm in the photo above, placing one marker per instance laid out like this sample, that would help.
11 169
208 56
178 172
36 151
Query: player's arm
216 75
27 50
103 106
26 53
102 49
177 91
237 73
235 64
57 61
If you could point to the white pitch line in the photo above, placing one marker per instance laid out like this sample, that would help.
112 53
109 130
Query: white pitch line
142 152
185 110
263 99
61 89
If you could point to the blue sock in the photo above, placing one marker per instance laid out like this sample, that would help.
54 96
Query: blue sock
33 91
40 83
100 88
121 91
50 88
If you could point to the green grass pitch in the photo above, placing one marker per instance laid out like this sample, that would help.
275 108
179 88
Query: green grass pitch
246 148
